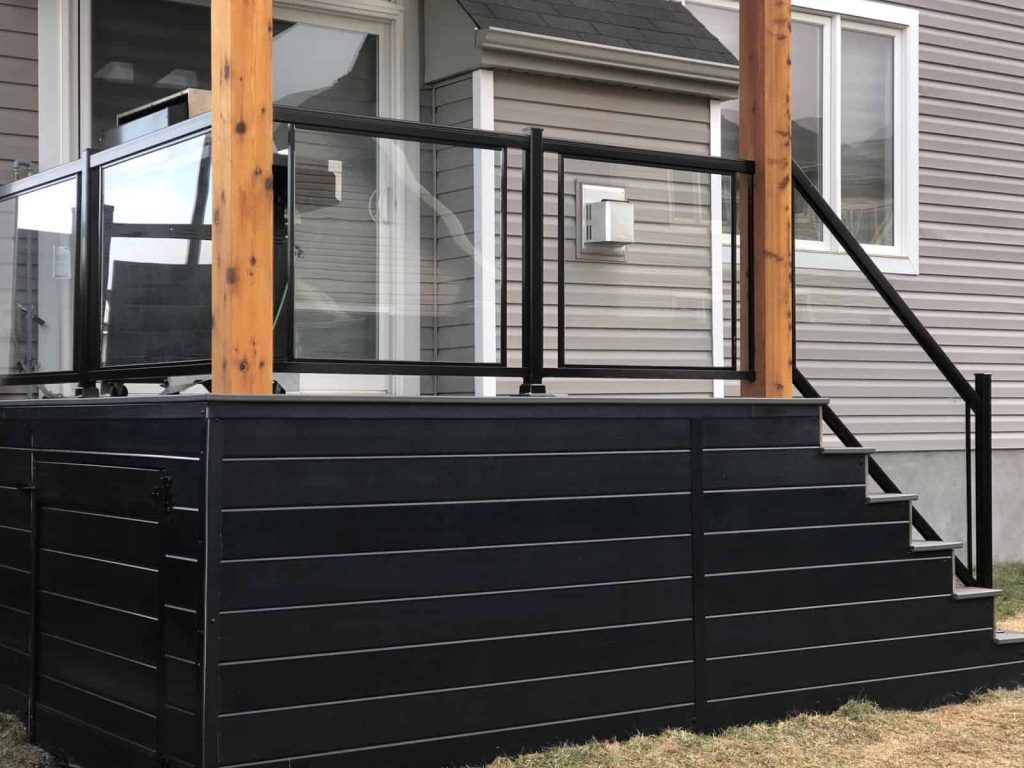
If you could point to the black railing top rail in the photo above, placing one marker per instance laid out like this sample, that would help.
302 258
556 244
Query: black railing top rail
42 179
408 130
578 150
884 288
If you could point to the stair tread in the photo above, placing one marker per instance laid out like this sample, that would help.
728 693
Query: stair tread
975 593
887 498
1007 637
842 450
922 545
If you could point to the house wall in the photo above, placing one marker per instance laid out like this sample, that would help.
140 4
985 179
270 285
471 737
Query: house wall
447 276
19 103
653 305
970 290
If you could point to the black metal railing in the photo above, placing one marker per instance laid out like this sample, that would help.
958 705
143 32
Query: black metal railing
977 400
92 362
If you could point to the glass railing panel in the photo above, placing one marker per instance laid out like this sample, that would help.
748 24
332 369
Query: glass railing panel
398 250
38 257
155 256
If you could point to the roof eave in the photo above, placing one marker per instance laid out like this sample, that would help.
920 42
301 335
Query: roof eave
526 51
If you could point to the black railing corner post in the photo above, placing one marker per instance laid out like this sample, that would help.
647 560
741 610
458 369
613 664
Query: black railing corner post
87 254
983 477
533 267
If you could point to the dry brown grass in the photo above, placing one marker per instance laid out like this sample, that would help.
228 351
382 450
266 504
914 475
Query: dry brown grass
986 732
15 752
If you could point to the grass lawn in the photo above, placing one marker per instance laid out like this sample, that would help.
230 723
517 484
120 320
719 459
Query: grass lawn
985 732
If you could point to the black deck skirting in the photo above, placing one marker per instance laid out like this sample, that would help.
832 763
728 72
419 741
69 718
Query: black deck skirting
310 583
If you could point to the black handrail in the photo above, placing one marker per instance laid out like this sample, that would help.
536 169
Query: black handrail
885 289
978 398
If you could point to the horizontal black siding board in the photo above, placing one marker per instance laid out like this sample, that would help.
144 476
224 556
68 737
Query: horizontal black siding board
324 629
481 749
729 552
14 668
310 680
14 588
15 548
382 437
186 474
762 433
816 667
98 711
780 468
112 584
567 409
181 531
825 625
13 702
272 583
449 478
14 433
180 633
172 437
14 628
179 735
15 508
117 539
125 634
795 507
113 677
15 467
913 692
180 684
767 590
289 532
120 491
182 582
86 744
306 730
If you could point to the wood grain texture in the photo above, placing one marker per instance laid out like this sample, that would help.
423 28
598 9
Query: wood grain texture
766 138
242 344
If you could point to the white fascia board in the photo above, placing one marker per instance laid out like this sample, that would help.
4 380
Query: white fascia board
541 54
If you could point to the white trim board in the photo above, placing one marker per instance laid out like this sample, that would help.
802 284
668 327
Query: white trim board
485 310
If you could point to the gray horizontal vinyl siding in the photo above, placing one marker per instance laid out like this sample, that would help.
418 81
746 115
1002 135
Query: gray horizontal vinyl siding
19 101
448 282
653 305
970 290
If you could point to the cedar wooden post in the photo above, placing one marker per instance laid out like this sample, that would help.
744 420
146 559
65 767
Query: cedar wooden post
243 196
766 138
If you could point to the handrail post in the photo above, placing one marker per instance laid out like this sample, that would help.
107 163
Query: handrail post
983 479
87 329
533 267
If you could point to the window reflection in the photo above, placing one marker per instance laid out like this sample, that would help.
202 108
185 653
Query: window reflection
867 135
38 251
156 259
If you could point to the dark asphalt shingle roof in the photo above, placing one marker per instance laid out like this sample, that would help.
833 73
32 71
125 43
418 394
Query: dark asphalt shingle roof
656 26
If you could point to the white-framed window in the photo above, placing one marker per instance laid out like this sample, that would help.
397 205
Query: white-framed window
855 122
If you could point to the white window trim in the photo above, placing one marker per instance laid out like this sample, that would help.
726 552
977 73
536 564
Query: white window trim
485 303
904 23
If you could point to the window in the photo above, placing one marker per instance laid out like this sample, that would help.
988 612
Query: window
854 122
